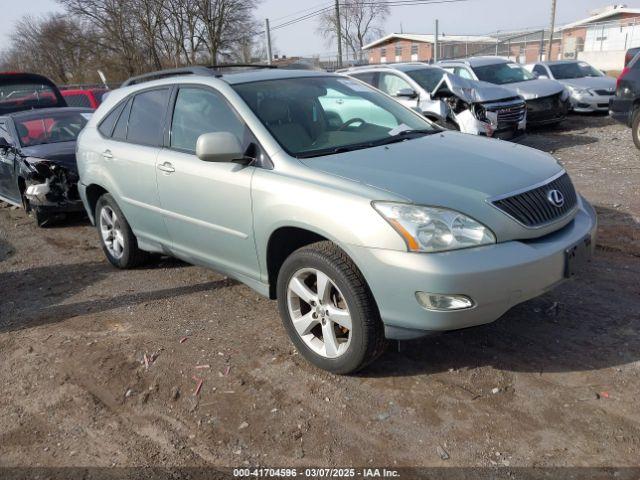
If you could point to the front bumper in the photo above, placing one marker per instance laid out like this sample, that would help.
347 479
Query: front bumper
44 196
546 110
586 103
495 277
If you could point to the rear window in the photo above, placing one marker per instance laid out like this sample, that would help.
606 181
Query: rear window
24 96
147 117
78 100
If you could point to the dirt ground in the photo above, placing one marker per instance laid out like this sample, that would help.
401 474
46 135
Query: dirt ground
555 382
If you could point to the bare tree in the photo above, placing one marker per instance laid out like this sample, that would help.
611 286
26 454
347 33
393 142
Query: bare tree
360 21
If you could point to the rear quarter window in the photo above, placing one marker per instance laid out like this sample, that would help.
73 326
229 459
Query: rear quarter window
106 125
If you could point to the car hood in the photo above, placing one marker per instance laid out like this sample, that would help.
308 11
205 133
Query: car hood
536 88
471 91
63 153
598 83
448 169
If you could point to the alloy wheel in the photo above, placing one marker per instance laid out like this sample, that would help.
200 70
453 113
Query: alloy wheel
111 232
319 312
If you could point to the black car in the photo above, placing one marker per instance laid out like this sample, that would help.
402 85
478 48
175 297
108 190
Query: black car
625 105
26 91
38 160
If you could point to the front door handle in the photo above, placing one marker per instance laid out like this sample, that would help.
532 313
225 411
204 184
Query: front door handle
166 167
107 155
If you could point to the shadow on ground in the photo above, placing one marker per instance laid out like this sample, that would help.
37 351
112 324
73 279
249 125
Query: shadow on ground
37 296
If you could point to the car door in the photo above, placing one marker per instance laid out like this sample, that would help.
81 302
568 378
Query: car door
207 205
130 157
391 84
8 182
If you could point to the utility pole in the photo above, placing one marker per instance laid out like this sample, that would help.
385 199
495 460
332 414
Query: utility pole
541 45
267 32
339 32
436 44
553 26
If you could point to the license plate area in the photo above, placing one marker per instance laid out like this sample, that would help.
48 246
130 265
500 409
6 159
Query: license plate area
577 256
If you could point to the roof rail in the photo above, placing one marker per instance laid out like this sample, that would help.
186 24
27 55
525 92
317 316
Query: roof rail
213 70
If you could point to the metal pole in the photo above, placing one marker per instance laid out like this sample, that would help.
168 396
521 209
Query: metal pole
267 32
435 44
553 26
541 45
339 32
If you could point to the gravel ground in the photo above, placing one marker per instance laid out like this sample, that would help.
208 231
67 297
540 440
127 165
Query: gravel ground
552 383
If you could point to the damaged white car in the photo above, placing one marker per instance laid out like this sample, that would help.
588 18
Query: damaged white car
452 102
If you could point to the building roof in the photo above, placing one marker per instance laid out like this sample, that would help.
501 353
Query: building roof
429 38
603 15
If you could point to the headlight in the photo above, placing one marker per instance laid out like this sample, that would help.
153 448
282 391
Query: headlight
431 229
579 91
479 112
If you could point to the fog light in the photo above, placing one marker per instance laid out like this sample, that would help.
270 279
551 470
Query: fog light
439 302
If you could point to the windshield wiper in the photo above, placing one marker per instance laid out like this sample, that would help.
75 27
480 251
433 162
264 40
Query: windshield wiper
405 135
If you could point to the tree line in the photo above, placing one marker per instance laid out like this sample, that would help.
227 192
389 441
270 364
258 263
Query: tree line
123 38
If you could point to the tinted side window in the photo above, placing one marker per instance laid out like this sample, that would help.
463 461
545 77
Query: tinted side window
462 72
540 70
120 132
147 117
107 124
199 111
78 100
368 77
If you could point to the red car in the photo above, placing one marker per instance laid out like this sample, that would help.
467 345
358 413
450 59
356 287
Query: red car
88 98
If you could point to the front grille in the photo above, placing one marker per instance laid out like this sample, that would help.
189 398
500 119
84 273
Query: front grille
510 114
605 92
532 207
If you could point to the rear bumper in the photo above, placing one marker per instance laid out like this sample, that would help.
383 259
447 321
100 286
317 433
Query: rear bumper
621 109
495 277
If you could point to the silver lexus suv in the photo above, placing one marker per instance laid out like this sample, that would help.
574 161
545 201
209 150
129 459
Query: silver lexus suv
364 220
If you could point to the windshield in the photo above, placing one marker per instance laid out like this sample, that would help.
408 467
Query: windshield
23 96
56 127
427 78
312 116
563 71
503 73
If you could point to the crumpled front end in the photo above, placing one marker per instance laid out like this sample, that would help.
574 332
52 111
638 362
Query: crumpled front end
50 186
479 112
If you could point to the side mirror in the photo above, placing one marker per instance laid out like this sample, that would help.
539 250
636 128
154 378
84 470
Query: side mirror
541 75
407 93
219 147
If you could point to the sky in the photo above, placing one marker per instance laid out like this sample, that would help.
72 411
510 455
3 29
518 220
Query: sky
473 17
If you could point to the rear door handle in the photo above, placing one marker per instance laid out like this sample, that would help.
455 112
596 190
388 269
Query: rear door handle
166 167
107 154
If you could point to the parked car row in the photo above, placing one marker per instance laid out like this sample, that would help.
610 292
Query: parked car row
315 189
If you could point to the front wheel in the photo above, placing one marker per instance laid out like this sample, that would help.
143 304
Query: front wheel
328 309
118 241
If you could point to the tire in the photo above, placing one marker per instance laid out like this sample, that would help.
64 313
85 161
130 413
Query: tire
42 219
122 251
635 128
348 297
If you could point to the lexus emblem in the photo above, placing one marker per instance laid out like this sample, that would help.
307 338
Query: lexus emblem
555 198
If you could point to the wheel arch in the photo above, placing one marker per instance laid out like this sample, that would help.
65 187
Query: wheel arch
93 192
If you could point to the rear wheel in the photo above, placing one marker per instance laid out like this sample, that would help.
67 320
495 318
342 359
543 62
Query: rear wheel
118 241
635 127
328 309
